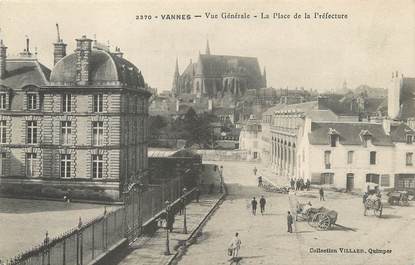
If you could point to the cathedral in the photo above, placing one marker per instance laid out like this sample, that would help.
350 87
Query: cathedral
216 76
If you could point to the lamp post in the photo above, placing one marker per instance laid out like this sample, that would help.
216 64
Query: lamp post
184 211
167 250
221 179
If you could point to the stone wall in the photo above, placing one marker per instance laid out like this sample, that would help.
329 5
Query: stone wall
224 155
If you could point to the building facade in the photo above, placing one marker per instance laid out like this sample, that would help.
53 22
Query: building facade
79 130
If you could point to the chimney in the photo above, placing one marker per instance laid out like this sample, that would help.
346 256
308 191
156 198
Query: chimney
83 54
59 50
26 52
3 58
118 52
387 125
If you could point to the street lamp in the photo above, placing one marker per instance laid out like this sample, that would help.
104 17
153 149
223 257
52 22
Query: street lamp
167 250
184 211
221 179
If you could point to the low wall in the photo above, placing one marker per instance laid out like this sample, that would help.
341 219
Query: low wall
57 189
223 155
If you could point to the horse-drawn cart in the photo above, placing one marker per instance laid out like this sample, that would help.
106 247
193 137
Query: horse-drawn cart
318 218
398 198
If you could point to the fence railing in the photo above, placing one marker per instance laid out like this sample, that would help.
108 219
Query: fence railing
85 243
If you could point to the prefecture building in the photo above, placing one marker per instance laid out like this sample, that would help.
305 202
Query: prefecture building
79 130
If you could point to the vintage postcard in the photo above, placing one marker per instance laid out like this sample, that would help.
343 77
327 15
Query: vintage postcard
207 132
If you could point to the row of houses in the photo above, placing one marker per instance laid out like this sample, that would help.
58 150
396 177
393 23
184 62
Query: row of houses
309 141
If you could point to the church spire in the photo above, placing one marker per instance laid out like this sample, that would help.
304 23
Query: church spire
176 77
207 48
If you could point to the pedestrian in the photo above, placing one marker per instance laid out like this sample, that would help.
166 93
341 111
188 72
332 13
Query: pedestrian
289 222
297 184
365 195
181 206
307 184
260 181
254 204
321 194
234 246
262 203
255 170
197 194
169 219
292 182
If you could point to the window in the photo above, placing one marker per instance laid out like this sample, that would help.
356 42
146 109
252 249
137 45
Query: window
31 101
327 178
3 102
65 166
97 164
333 140
98 102
97 132
350 157
406 182
373 158
66 132
66 103
31 163
32 132
3 132
409 139
3 158
327 159
373 178
409 159
384 180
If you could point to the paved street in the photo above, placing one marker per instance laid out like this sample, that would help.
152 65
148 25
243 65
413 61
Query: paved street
265 240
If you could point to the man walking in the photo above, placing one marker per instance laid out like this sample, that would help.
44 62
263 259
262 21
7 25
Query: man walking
253 205
255 170
321 194
289 222
262 203
234 246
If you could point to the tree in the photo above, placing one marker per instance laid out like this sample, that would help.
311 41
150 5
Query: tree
157 123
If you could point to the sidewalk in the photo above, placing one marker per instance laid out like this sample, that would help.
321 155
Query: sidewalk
149 250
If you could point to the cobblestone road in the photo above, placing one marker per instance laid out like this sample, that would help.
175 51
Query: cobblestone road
265 240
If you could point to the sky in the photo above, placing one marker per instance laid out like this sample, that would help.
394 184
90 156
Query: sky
376 39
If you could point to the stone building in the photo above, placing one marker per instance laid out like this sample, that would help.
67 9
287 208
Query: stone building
217 76
79 130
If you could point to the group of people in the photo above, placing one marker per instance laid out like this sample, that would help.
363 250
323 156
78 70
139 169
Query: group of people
299 184
254 204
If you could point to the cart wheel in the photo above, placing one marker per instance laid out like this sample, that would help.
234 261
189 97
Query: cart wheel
323 221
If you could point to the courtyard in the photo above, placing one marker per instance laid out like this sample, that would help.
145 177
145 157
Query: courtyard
23 223
355 239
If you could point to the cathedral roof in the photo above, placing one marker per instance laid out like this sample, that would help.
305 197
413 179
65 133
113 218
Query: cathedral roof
23 72
227 64
105 69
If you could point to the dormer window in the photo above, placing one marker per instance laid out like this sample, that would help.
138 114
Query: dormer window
32 101
3 101
333 137
409 138
365 136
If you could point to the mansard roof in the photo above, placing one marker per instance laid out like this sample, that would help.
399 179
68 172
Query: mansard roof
105 69
23 72
399 132
349 133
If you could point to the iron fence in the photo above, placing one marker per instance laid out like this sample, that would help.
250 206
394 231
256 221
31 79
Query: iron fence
88 241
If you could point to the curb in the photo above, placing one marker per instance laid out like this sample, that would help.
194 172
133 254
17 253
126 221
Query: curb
200 226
